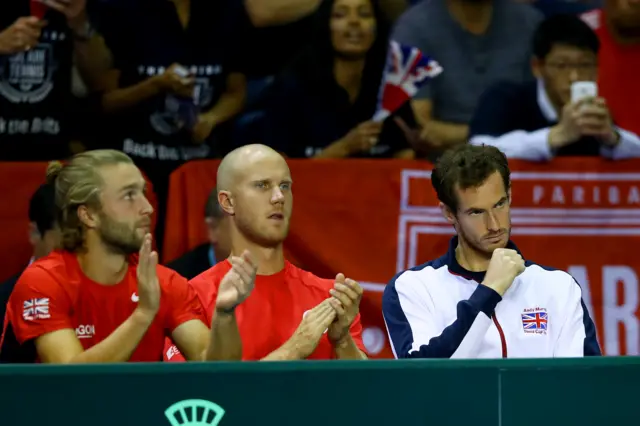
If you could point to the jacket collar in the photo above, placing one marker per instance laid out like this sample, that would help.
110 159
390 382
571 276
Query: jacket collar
456 269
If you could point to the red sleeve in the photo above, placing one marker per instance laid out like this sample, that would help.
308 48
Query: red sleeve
38 305
171 352
356 333
184 305
206 288
199 292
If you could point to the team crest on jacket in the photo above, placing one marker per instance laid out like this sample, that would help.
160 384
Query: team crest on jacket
535 320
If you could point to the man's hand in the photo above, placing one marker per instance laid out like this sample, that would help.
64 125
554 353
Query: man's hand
595 120
22 35
148 284
348 293
505 266
238 283
176 80
313 325
587 117
363 137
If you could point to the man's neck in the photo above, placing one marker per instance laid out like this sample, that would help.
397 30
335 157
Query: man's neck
474 17
270 259
470 258
101 265
348 75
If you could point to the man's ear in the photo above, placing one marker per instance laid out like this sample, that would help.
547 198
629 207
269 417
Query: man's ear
447 213
34 234
88 217
225 200
536 67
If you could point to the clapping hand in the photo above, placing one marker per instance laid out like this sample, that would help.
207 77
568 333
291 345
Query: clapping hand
238 283
346 295
148 284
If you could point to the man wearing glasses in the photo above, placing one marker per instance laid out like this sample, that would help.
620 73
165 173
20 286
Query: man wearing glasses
550 116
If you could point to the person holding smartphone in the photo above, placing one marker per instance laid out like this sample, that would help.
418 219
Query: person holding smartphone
39 40
559 114
175 84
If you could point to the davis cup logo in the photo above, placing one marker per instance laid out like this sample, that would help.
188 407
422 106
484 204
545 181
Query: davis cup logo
194 412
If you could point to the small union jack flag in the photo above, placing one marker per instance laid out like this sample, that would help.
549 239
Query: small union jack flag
407 70
35 309
535 321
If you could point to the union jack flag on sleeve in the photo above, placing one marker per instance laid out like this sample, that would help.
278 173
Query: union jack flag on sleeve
407 70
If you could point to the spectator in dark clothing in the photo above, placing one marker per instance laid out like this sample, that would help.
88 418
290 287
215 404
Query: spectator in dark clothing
176 83
538 121
322 105
215 250
39 43
44 236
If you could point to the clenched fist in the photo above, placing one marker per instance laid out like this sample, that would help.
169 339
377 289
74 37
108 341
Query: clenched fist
363 137
505 266
177 80
21 36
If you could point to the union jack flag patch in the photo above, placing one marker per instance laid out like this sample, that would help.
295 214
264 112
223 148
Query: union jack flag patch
35 309
535 321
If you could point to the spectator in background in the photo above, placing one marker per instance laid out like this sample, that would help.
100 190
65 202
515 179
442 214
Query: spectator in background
216 249
281 29
39 43
477 42
538 120
176 81
322 106
44 236
618 28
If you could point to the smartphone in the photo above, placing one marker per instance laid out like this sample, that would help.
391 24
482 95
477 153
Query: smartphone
38 9
583 89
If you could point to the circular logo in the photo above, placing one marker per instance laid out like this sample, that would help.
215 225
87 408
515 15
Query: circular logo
374 340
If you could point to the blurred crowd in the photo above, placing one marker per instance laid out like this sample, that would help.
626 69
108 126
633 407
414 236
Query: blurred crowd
169 81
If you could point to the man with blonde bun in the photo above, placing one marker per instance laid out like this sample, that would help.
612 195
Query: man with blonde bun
103 297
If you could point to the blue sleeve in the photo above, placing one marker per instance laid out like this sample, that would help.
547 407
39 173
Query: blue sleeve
591 345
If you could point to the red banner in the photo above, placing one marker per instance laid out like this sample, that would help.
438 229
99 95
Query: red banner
370 219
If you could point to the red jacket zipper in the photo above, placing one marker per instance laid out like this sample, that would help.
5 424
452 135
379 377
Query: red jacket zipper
501 333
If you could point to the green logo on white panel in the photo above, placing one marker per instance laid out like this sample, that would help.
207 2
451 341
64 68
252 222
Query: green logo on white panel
194 412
